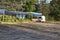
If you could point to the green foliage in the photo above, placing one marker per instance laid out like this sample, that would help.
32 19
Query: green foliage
55 10
51 11
13 19
29 16
43 8
18 5
30 5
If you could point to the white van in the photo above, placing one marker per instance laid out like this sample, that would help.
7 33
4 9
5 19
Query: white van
41 18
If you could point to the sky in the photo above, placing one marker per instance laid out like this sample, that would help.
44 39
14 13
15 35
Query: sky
48 1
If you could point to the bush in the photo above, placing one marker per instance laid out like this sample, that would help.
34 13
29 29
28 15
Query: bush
29 16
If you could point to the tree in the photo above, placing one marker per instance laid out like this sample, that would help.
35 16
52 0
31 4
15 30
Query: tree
55 9
18 5
44 8
30 5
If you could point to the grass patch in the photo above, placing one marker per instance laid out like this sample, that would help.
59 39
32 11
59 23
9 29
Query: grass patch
13 19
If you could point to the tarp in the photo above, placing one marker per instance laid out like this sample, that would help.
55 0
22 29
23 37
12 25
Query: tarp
36 14
2 11
18 13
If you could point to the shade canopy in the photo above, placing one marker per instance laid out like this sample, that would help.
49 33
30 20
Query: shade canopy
18 12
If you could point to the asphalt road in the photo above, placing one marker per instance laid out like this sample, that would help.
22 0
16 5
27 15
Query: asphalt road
19 33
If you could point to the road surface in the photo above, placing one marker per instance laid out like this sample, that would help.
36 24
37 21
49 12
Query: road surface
15 32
